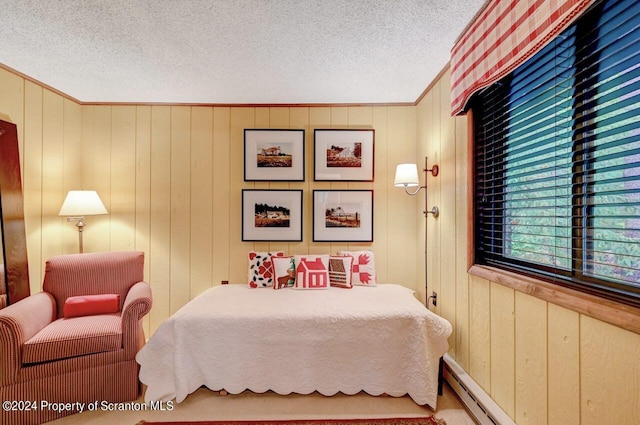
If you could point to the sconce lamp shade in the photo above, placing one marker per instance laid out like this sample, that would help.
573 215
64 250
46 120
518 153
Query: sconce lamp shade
406 175
82 202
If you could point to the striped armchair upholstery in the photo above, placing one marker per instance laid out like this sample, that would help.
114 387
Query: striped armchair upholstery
49 358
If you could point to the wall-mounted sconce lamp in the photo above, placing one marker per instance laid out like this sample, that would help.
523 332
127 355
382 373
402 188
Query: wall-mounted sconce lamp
78 204
407 176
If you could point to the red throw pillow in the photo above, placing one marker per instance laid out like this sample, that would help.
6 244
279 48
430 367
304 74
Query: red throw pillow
88 305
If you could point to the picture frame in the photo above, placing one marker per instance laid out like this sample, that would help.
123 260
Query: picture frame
343 215
344 155
271 215
274 154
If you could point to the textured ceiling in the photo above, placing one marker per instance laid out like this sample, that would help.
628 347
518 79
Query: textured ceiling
233 51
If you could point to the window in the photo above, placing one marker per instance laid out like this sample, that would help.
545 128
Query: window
557 159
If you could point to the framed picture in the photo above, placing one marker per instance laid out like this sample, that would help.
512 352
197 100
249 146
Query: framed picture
271 154
343 215
271 215
345 155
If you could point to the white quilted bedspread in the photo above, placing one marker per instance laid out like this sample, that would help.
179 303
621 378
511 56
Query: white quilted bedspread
375 339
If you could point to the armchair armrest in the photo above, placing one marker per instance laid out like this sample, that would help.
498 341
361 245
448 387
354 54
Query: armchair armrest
136 305
18 323
138 301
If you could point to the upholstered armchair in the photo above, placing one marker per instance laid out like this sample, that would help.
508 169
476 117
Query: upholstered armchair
55 351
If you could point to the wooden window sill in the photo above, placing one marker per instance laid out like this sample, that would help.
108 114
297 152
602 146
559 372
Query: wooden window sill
615 313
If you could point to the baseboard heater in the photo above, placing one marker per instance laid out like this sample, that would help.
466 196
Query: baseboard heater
477 401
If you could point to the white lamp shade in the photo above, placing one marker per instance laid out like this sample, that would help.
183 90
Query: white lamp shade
406 175
82 202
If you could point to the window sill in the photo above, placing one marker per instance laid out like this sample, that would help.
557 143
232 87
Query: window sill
612 312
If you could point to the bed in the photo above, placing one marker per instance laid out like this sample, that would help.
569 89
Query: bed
379 339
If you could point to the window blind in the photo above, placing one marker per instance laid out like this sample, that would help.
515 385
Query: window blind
557 159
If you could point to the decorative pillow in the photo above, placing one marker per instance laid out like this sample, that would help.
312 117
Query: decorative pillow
261 269
311 274
89 305
284 272
323 257
340 271
363 269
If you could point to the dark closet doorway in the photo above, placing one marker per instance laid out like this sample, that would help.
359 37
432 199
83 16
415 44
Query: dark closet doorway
14 270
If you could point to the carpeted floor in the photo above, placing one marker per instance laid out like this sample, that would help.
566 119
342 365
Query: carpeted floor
205 405
386 421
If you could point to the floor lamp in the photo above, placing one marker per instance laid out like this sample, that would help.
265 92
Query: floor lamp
407 177
77 205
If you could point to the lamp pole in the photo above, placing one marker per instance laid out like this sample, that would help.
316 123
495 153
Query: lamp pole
436 212
407 176
80 226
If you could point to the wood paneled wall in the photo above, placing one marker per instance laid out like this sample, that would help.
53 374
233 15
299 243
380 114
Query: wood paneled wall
171 178
542 363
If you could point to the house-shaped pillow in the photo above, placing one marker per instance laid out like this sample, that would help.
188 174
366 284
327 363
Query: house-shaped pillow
311 274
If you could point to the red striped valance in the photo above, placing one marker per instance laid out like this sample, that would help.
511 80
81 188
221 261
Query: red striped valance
504 34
